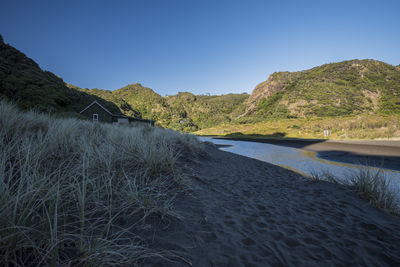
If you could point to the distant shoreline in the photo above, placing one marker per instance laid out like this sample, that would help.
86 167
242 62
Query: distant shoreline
377 153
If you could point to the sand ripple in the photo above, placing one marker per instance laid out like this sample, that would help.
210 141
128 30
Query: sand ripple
245 212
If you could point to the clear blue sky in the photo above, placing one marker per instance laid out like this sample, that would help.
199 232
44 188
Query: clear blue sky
198 46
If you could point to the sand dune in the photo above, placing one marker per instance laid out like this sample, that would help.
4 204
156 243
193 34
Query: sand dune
244 212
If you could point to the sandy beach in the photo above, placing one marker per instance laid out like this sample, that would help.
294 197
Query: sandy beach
244 212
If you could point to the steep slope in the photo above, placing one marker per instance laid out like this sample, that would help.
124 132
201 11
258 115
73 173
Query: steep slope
276 82
137 101
345 88
22 81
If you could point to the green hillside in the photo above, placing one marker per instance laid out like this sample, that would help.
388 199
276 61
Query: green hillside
344 89
24 82
207 110
184 111
355 99
338 89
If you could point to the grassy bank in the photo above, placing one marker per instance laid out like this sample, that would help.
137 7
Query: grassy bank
371 185
359 127
74 192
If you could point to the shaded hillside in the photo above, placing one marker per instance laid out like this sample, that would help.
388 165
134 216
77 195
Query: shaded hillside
337 89
137 101
119 102
24 82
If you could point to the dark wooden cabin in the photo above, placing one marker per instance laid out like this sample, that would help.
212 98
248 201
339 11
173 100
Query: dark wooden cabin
96 112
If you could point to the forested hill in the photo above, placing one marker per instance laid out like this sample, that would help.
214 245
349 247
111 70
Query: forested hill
22 81
207 110
184 111
337 89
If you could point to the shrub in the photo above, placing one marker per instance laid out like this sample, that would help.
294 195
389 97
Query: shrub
376 188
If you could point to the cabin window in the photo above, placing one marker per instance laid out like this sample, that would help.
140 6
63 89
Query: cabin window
95 117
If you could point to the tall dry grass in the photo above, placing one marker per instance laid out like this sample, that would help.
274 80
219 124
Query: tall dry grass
371 184
74 192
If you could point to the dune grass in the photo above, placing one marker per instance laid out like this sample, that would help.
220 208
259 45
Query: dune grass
74 192
371 185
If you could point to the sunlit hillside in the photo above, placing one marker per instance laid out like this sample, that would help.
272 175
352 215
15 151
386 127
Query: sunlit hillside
356 127
337 89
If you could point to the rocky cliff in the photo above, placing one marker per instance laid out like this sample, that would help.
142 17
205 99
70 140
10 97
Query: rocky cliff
336 89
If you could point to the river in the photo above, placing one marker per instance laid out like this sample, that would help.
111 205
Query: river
301 161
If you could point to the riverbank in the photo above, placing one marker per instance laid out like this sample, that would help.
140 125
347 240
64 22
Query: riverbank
245 212
365 126
143 194
377 153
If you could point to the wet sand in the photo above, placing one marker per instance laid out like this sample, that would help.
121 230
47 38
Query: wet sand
377 153
245 212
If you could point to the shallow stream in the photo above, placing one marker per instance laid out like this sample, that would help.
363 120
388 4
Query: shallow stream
300 161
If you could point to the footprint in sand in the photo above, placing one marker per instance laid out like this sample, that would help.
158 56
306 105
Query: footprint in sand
261 207
230 222
291 242
369 226
261 224
276 235
248 241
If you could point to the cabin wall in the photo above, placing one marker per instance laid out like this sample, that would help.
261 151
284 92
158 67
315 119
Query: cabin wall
123 120
104 116
141 122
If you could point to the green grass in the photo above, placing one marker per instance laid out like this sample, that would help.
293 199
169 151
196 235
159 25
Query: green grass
356 127
74 192
371 185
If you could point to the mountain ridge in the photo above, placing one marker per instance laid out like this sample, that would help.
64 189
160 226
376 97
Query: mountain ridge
343 88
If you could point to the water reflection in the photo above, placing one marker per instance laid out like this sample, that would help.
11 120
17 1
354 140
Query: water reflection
301 161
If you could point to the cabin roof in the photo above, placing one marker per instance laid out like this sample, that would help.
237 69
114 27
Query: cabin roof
114 115
95 102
